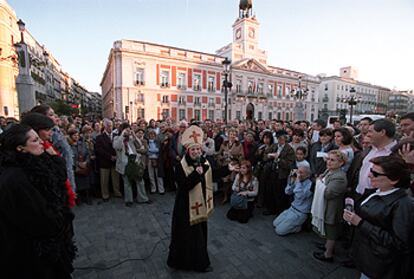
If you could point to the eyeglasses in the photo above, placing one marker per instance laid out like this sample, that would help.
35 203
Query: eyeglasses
376 174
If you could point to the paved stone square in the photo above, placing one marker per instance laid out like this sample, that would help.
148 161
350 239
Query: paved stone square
109 233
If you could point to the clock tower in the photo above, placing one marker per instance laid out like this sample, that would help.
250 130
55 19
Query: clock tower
245 36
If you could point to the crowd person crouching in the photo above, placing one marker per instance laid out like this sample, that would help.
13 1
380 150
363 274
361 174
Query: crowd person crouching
245 188
292 219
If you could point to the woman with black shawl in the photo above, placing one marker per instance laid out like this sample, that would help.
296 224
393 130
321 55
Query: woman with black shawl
35 218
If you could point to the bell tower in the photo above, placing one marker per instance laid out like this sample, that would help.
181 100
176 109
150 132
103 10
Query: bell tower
245 36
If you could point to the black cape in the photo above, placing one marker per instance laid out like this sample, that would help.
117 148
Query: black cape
188 247
36 233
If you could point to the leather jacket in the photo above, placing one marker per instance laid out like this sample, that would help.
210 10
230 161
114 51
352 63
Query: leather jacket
384 239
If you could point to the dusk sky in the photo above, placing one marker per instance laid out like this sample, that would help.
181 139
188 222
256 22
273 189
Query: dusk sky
311 36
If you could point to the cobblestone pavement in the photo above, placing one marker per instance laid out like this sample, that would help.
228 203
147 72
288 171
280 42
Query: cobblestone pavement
109 233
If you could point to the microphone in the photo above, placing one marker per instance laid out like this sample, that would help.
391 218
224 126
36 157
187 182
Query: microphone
349 205
198 161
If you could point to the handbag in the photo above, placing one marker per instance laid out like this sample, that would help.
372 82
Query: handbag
154 163
82 171
238 202
134 170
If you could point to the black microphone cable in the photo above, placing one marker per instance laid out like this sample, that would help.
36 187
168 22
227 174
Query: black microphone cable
124 261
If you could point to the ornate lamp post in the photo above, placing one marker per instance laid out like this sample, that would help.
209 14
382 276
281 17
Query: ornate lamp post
351 101
299 95
24 81
226 84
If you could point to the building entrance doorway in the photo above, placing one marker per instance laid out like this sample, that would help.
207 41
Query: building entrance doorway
250 111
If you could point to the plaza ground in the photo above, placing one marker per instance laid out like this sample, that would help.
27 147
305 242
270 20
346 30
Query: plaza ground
109 233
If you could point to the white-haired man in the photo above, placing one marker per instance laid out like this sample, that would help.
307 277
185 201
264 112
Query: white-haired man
292 219
106 158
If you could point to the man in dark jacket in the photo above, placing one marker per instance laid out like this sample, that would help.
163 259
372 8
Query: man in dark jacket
106 158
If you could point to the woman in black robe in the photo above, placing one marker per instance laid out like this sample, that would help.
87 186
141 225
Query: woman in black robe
188 247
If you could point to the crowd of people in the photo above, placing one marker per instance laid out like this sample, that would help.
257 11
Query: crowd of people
345 180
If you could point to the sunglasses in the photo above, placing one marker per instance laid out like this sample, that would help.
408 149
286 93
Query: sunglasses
376 174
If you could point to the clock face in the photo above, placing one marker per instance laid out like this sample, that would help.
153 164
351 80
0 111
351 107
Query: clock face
251 33
238 34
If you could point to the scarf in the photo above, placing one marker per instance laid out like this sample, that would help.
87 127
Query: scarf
199 207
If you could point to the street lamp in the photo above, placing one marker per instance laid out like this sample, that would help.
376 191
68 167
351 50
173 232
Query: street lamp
351 101
24 81
299 95
226 84
22 28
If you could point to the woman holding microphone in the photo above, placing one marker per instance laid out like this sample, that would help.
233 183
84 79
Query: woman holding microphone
384 223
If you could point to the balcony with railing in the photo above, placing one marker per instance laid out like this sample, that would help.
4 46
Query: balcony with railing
164 85
211 88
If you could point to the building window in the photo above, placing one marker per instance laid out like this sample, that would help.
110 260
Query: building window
181 114
279 116
238 114
270 115
139 77
197 82
260 115
181 101
197 101
238 86
211 115
279 91
326 87
270 88
141 113
165 79
165 113
211 103
181 81
250 88
287 91
197 114
260 88
165 99
210 84
287 116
